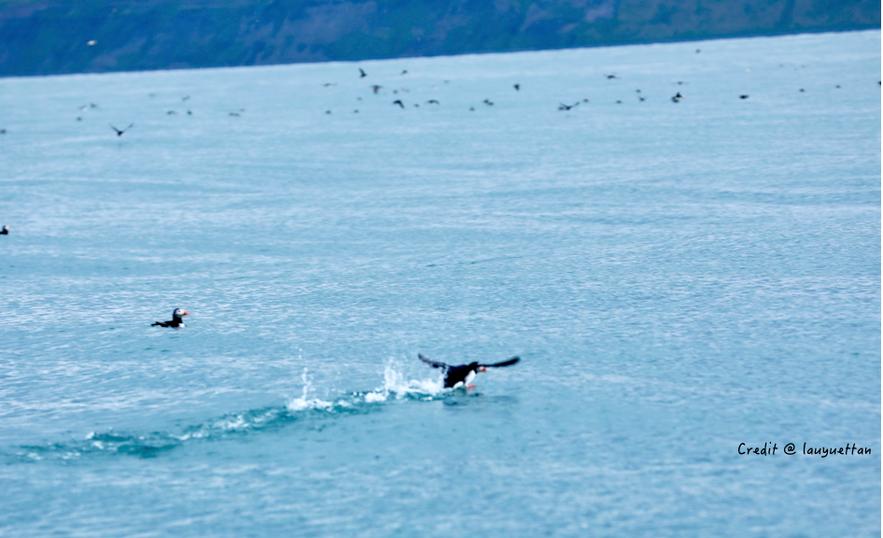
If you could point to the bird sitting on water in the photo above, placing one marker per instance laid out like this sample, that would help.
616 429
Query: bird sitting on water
456 376
176 321
5 230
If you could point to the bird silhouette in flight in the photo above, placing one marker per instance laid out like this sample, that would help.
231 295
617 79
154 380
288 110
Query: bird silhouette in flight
119 132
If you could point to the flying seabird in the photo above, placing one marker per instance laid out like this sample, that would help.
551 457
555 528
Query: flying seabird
362 73
456 376
120 133
517 87
399 102
562 106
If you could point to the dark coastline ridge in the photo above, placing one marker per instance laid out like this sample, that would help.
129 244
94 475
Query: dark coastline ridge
41 37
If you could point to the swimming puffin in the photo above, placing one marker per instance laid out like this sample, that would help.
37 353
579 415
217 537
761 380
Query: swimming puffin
5 230
176 319
464 374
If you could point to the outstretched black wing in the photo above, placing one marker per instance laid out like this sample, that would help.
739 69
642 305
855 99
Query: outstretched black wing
510 362
434 364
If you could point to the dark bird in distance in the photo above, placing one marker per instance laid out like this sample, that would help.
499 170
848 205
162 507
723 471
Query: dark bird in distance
329 84
562 106
176 321
120 133
405 72
362 73
586 100
236 114
488 102
611 77
432 102
464 374
743 96
517 87
328 112
399 102
171 112
677 97
5 230
376 88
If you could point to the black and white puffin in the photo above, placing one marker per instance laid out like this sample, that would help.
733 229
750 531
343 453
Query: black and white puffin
457 376
5 230
177 314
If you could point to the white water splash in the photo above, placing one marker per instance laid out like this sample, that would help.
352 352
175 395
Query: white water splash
305 402
394 384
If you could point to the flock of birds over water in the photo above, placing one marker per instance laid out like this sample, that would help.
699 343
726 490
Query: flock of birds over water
399 101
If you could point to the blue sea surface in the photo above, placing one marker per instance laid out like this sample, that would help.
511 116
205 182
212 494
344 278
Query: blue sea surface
679 277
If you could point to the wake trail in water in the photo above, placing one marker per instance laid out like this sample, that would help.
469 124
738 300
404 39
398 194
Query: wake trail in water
395 387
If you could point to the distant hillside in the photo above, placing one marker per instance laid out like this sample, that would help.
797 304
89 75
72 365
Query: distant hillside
60 36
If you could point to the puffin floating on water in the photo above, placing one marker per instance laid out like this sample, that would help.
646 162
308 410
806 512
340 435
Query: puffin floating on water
177 314
456 376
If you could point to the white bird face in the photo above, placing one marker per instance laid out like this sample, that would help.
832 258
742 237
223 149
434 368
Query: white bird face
179 312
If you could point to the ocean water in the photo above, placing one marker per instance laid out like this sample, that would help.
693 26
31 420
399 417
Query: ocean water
678 278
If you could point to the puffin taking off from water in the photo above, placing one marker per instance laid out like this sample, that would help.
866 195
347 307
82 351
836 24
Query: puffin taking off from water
177 314
462 375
